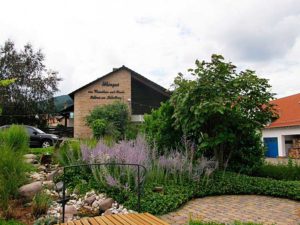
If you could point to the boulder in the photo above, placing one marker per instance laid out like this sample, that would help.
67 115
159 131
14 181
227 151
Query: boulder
107 212
90 200
48 184
106 204
51 175
59 186
30 156
95 204
69 209
29 190
31 161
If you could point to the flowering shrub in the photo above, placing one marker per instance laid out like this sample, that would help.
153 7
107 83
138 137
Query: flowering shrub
176 167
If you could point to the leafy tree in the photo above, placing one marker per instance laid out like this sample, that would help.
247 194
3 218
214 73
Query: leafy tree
4 83
109 119
223 110
33 89
160 130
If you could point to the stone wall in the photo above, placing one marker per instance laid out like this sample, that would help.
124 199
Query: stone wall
114 87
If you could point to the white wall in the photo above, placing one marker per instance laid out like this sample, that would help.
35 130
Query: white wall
280 133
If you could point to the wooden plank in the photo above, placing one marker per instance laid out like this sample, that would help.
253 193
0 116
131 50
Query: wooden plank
77 222
92 221
155 218
84 221
113 220
99 220
107 221
137 219
148 219
124 218
70 223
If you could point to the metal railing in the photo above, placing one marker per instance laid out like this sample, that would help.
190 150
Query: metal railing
140 182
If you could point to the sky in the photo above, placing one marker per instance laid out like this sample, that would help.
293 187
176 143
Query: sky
84 40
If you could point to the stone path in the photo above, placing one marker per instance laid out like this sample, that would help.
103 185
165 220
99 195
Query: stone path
247 208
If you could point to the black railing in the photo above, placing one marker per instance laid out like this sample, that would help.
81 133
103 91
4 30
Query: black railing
139 181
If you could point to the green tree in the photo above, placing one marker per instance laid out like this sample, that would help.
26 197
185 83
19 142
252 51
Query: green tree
4 83
223 110
33 89
111 119
160 130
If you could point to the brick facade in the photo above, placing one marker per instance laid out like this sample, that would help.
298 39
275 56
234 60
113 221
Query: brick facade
100 93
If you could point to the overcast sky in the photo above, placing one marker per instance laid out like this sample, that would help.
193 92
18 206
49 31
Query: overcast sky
84 40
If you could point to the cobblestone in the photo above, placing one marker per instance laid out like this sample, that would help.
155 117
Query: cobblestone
246 208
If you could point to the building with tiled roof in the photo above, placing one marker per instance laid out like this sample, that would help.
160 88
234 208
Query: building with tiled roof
281 137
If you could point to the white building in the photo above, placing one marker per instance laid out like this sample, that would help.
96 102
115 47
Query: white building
281 136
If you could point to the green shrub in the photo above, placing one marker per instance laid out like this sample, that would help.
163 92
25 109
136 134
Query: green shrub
172 197
232 183
40 204
132 131
280 171
160 130
98 126
69 153
115 115
12 165
16 138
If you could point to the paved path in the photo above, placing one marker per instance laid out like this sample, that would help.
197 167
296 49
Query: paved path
228 208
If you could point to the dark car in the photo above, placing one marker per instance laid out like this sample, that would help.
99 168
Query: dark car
38 138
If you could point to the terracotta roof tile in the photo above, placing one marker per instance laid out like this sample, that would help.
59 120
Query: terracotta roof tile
289 111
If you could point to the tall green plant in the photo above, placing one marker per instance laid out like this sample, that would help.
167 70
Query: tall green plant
14 143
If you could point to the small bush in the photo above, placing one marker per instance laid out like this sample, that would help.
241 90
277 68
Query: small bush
115 115
12 165
40 204
290 171
16 138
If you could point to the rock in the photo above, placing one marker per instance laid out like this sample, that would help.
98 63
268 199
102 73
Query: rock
46 159
107 212
37 176
51 175
59 186
95 204
106 204
31 161
30 156
90 199
158 189
88 207
29 190
69 209
48 184
42 168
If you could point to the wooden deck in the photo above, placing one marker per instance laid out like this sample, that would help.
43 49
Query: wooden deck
120 219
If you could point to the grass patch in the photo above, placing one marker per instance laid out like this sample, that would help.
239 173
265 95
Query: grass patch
41 151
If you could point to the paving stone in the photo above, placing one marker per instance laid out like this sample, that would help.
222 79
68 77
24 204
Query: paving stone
248 208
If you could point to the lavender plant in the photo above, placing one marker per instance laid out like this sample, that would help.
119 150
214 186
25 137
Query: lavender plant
177 166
